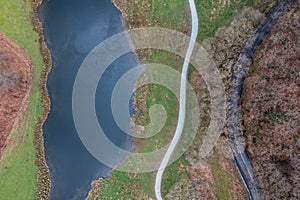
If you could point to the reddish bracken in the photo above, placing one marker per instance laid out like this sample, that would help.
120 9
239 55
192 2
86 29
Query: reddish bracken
15 73
271 109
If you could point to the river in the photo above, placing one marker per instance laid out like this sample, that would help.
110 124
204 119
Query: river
71 30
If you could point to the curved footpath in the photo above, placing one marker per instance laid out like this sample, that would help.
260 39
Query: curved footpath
234 115
182 101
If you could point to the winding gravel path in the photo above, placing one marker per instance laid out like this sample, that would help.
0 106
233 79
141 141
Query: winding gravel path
182 101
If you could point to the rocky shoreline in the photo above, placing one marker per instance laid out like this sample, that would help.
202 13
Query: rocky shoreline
43 176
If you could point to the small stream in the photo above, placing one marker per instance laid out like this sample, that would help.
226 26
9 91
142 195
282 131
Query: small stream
234 113
71 30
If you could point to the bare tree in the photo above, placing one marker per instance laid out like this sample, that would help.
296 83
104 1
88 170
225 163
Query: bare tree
9 80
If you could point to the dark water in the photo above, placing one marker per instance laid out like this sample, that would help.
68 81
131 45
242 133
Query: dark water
72 28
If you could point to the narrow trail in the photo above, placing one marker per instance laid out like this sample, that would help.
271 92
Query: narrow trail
234 114
182 101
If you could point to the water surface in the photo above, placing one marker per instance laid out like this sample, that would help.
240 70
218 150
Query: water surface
72 29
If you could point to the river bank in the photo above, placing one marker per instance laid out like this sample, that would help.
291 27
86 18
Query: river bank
25 162
43 176
157 13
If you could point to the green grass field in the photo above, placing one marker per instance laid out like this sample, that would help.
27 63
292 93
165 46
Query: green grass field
18 170
222 178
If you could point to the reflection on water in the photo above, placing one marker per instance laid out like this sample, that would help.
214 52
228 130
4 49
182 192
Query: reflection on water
72 29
